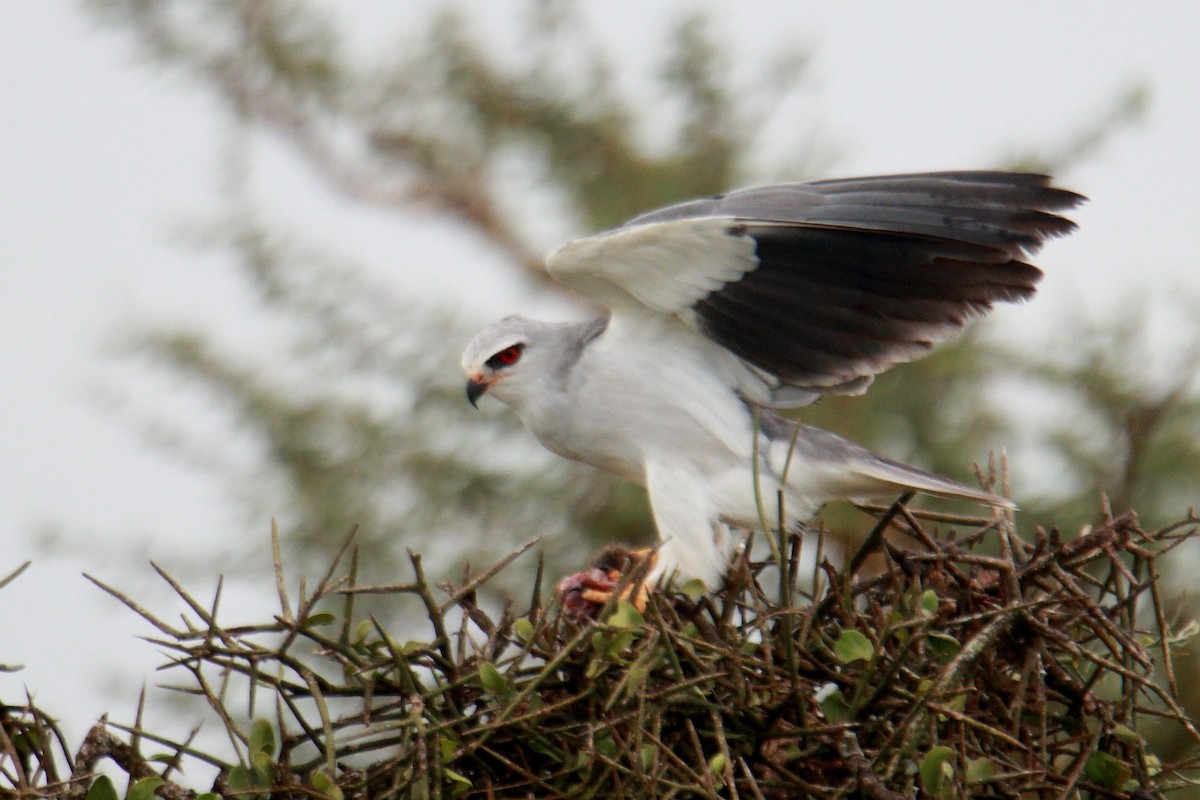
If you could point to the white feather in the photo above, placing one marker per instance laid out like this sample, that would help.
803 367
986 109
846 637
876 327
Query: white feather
665 266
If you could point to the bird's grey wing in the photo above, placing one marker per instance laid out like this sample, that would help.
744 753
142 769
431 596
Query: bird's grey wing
820 286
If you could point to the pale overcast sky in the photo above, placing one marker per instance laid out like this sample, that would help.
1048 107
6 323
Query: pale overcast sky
104 158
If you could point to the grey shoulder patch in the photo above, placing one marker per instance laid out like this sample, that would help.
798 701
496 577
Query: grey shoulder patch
579 337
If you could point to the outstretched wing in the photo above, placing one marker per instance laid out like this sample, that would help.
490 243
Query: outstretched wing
820 286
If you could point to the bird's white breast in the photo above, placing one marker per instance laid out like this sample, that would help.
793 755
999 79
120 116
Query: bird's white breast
647 387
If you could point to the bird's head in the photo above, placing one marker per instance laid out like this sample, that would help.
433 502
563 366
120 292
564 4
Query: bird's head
511 359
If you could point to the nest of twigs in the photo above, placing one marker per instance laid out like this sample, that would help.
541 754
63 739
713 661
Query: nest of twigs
931 665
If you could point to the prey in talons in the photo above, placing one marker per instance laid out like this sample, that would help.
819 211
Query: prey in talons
615 570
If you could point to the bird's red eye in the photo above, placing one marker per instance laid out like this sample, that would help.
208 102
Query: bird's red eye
506 357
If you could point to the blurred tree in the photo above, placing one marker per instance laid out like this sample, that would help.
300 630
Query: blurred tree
376 433
1128 412
365 424
434 132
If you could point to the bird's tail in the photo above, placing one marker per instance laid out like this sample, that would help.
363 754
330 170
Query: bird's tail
828 467
881 476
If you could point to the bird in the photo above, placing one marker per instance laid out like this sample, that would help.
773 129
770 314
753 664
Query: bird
723 311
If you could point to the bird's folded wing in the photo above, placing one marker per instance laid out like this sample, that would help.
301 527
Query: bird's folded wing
820 286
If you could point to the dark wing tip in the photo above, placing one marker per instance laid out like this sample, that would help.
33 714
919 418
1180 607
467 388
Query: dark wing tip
870 272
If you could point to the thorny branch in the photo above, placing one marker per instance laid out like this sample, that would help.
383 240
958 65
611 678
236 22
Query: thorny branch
951 665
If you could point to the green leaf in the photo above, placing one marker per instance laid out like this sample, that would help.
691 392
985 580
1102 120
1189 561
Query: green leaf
694 589
239 778
980 769
323 783
605 744
449 747
716 765
456 777
145 788
626 616
835 706
901 634
929 602
523 628
102 789
937 773
1127 734
635 679
648 754
618 643
538 745
493 680
1108 771
321 618
942 647
264 765
853 646
28 742
262 737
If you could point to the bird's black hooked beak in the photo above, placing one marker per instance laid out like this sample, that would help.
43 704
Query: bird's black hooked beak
475 390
